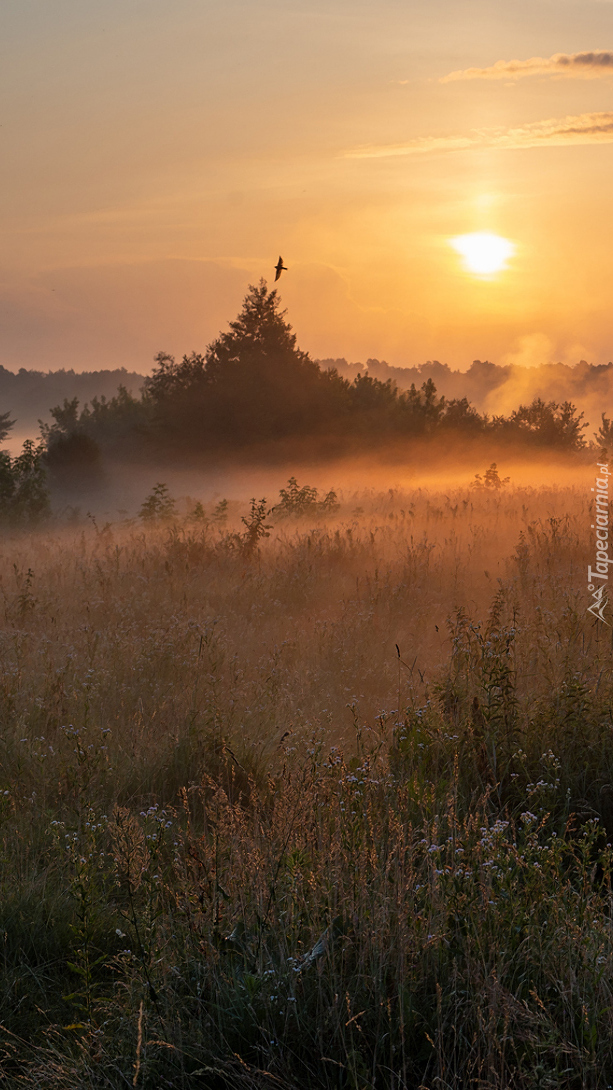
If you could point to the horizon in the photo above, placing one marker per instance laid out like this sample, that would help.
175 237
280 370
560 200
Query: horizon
572 366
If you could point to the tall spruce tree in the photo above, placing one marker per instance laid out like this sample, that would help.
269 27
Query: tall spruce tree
259 337
252 385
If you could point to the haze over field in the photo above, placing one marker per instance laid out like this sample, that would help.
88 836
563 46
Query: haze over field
158 158
306 685
254 778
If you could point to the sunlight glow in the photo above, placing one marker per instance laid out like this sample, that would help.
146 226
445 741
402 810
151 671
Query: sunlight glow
483 252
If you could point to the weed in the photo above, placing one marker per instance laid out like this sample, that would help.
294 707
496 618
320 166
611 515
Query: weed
159 504
256 527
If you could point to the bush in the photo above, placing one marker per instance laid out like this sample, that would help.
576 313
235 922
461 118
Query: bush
24 498
71 455
299 502
491 479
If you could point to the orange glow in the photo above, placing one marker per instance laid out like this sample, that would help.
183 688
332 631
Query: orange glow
152 170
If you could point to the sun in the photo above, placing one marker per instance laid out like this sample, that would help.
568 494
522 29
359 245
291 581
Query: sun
483 252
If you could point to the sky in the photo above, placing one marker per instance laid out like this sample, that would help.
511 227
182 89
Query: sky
157 157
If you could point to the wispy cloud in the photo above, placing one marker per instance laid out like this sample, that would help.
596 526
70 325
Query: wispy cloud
590 65
594 128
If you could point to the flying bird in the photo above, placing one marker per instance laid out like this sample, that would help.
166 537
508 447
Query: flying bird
279 268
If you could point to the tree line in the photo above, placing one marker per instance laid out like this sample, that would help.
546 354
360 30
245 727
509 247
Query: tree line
252 388
485 383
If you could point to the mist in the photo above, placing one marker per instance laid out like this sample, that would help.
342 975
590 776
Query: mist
498 388
492 389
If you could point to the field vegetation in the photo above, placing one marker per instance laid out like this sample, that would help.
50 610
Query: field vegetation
307 794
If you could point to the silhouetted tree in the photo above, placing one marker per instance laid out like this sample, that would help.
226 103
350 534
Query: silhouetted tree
424 408
461 416
24 499
604 435
547 423
74 440
367 395
5 425
252 385
170 379
72 456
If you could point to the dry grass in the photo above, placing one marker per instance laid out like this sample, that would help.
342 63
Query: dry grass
245 844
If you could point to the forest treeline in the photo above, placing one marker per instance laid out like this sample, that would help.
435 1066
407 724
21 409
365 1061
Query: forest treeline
30 393
494 386
253 388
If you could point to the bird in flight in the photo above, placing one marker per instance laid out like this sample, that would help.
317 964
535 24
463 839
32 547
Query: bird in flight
279 268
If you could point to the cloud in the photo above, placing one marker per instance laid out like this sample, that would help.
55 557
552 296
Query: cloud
596 128
421 143
590 65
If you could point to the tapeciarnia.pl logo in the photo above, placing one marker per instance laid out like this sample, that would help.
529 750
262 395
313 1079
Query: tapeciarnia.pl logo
598 576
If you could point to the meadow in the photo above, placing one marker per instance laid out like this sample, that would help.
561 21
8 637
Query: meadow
329 808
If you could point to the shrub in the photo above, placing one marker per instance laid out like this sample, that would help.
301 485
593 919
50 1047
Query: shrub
159 504
298 502
491 479
24 498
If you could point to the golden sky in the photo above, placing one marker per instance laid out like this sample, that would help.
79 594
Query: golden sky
157 157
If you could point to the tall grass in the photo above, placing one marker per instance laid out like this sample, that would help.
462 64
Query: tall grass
333 812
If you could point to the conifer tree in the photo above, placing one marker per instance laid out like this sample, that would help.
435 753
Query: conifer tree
253 384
